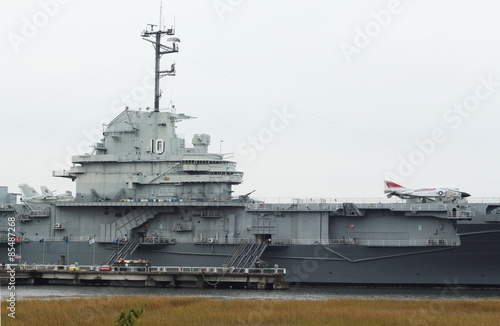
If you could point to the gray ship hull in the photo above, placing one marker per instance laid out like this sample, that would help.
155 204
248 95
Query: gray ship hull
475 262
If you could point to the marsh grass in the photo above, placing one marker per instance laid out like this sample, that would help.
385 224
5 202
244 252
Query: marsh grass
204 311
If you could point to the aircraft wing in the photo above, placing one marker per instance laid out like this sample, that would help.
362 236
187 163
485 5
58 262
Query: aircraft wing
409 196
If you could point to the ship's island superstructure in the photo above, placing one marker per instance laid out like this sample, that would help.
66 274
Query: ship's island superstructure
142 193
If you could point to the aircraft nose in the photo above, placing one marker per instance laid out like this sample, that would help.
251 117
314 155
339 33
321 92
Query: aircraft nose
464 194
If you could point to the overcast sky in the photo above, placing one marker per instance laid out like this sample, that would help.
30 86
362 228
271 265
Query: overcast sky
314 98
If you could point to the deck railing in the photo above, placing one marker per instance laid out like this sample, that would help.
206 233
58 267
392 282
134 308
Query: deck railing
158 269
272 242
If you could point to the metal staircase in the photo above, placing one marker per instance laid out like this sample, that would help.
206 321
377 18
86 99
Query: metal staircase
245 254
120 228
238 249
124 251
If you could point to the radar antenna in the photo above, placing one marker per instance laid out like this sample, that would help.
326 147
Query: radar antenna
160 50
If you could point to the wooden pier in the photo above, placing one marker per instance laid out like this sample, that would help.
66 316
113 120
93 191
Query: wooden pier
158 276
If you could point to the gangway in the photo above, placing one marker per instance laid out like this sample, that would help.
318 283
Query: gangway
245 254
124 251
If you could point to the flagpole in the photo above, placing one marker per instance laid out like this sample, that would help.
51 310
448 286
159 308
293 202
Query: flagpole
67 244
93 254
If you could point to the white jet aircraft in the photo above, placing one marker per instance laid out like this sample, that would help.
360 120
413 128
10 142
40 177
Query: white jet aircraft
441 192
67 196
29 194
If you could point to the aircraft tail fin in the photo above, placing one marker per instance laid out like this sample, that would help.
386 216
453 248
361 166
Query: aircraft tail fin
390 186
46 191
28 191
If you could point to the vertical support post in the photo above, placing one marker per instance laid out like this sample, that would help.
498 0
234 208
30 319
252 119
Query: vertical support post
157 72
200 283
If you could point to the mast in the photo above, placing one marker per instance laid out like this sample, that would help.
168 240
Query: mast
160 50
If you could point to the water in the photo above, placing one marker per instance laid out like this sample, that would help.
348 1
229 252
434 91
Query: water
57 291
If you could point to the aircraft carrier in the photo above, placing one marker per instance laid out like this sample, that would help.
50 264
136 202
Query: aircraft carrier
143 193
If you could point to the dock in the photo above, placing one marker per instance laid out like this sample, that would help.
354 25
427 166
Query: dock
155 276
